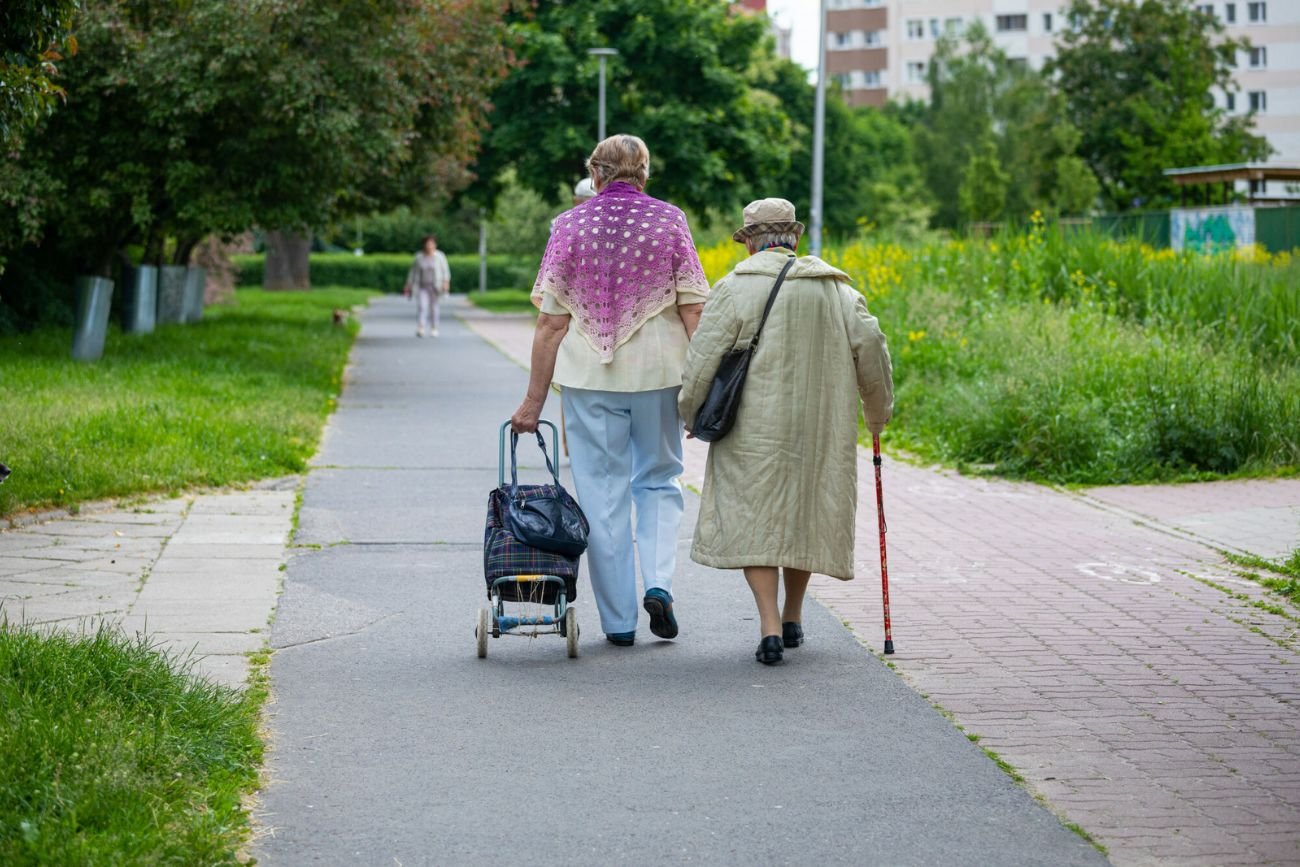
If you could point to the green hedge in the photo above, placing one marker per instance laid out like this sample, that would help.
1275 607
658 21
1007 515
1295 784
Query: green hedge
386 272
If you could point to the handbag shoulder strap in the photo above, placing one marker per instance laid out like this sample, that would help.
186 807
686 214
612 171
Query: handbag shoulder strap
771 299
514 467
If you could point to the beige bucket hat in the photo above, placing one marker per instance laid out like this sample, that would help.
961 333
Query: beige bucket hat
768 215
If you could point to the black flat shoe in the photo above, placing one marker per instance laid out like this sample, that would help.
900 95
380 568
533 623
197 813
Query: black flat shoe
770 651
792 634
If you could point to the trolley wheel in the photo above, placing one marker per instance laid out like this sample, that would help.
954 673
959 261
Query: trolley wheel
570 625
481 632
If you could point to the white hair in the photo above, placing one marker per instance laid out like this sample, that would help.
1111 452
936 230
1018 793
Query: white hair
774 239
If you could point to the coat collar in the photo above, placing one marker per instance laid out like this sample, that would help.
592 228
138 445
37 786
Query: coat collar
770 262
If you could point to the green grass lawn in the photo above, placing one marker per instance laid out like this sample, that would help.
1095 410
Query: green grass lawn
110 754
241 395
504 300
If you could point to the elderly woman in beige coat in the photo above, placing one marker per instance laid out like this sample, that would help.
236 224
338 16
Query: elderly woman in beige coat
780 490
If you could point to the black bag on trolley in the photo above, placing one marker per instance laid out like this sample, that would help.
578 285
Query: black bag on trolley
532 530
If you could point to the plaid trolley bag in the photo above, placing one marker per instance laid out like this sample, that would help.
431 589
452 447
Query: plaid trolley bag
505 556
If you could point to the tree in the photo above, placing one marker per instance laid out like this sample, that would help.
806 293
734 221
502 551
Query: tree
683 80
32 35
1139 78
185 119
979 95
983 191
1076 187
870 167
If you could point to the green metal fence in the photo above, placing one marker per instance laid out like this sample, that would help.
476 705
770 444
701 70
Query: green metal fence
1276 228
1151 227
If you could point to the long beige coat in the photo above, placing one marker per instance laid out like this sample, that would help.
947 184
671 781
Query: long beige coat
781 488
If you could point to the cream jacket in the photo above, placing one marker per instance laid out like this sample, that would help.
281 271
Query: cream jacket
781 488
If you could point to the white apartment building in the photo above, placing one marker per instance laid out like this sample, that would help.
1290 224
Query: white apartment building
1268 74
879 50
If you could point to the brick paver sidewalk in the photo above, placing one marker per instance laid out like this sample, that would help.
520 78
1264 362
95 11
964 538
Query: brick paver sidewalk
1096 641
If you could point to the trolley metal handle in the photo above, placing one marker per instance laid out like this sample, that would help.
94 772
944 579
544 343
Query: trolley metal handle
555 449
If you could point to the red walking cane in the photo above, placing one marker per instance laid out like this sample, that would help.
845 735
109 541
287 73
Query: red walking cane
884 564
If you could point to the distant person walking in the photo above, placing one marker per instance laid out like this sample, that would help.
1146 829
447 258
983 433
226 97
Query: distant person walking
430 277
620 291
780 490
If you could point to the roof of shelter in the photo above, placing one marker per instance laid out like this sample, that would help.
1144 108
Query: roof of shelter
1235 172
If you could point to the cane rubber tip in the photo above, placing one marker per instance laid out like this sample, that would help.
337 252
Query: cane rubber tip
889 647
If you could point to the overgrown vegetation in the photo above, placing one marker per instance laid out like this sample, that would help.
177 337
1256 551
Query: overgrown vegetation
111 753
1084 360
241 395
1280 576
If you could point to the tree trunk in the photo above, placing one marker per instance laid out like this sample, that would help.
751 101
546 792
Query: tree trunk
213 256
287 263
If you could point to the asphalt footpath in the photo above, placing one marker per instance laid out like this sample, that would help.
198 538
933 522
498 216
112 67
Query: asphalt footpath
392 743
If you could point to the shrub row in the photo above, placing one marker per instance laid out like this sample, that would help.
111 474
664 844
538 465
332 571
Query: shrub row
386 272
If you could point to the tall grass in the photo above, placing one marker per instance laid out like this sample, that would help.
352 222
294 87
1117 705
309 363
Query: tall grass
111 754
1080 359
241 395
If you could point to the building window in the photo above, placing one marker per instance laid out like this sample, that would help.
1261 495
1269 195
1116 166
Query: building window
934 28
915 71
842 39
915 28
1258 187
1230 101
1018 62
1258 57
873 37
1205 9
1257 13
1258 101
1230 12
952 25
845 80
1012 23
1047 22
871 78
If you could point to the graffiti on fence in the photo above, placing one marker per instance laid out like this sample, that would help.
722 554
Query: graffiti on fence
1208 230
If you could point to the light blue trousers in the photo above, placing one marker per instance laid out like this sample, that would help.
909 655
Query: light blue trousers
626 447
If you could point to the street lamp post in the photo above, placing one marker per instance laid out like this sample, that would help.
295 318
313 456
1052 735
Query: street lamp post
482 249
819 137
602 53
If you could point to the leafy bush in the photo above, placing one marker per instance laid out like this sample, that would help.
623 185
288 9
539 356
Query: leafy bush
402 230
386 272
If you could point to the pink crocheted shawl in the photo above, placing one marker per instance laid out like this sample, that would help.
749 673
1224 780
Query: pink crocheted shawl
616 261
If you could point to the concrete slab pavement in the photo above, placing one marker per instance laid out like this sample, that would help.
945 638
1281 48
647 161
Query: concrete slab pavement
198 574
1096 640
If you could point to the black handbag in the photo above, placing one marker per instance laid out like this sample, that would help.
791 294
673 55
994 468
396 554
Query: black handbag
717 414
545 517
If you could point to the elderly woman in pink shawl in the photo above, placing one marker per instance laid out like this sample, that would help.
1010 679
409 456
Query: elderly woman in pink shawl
620 291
